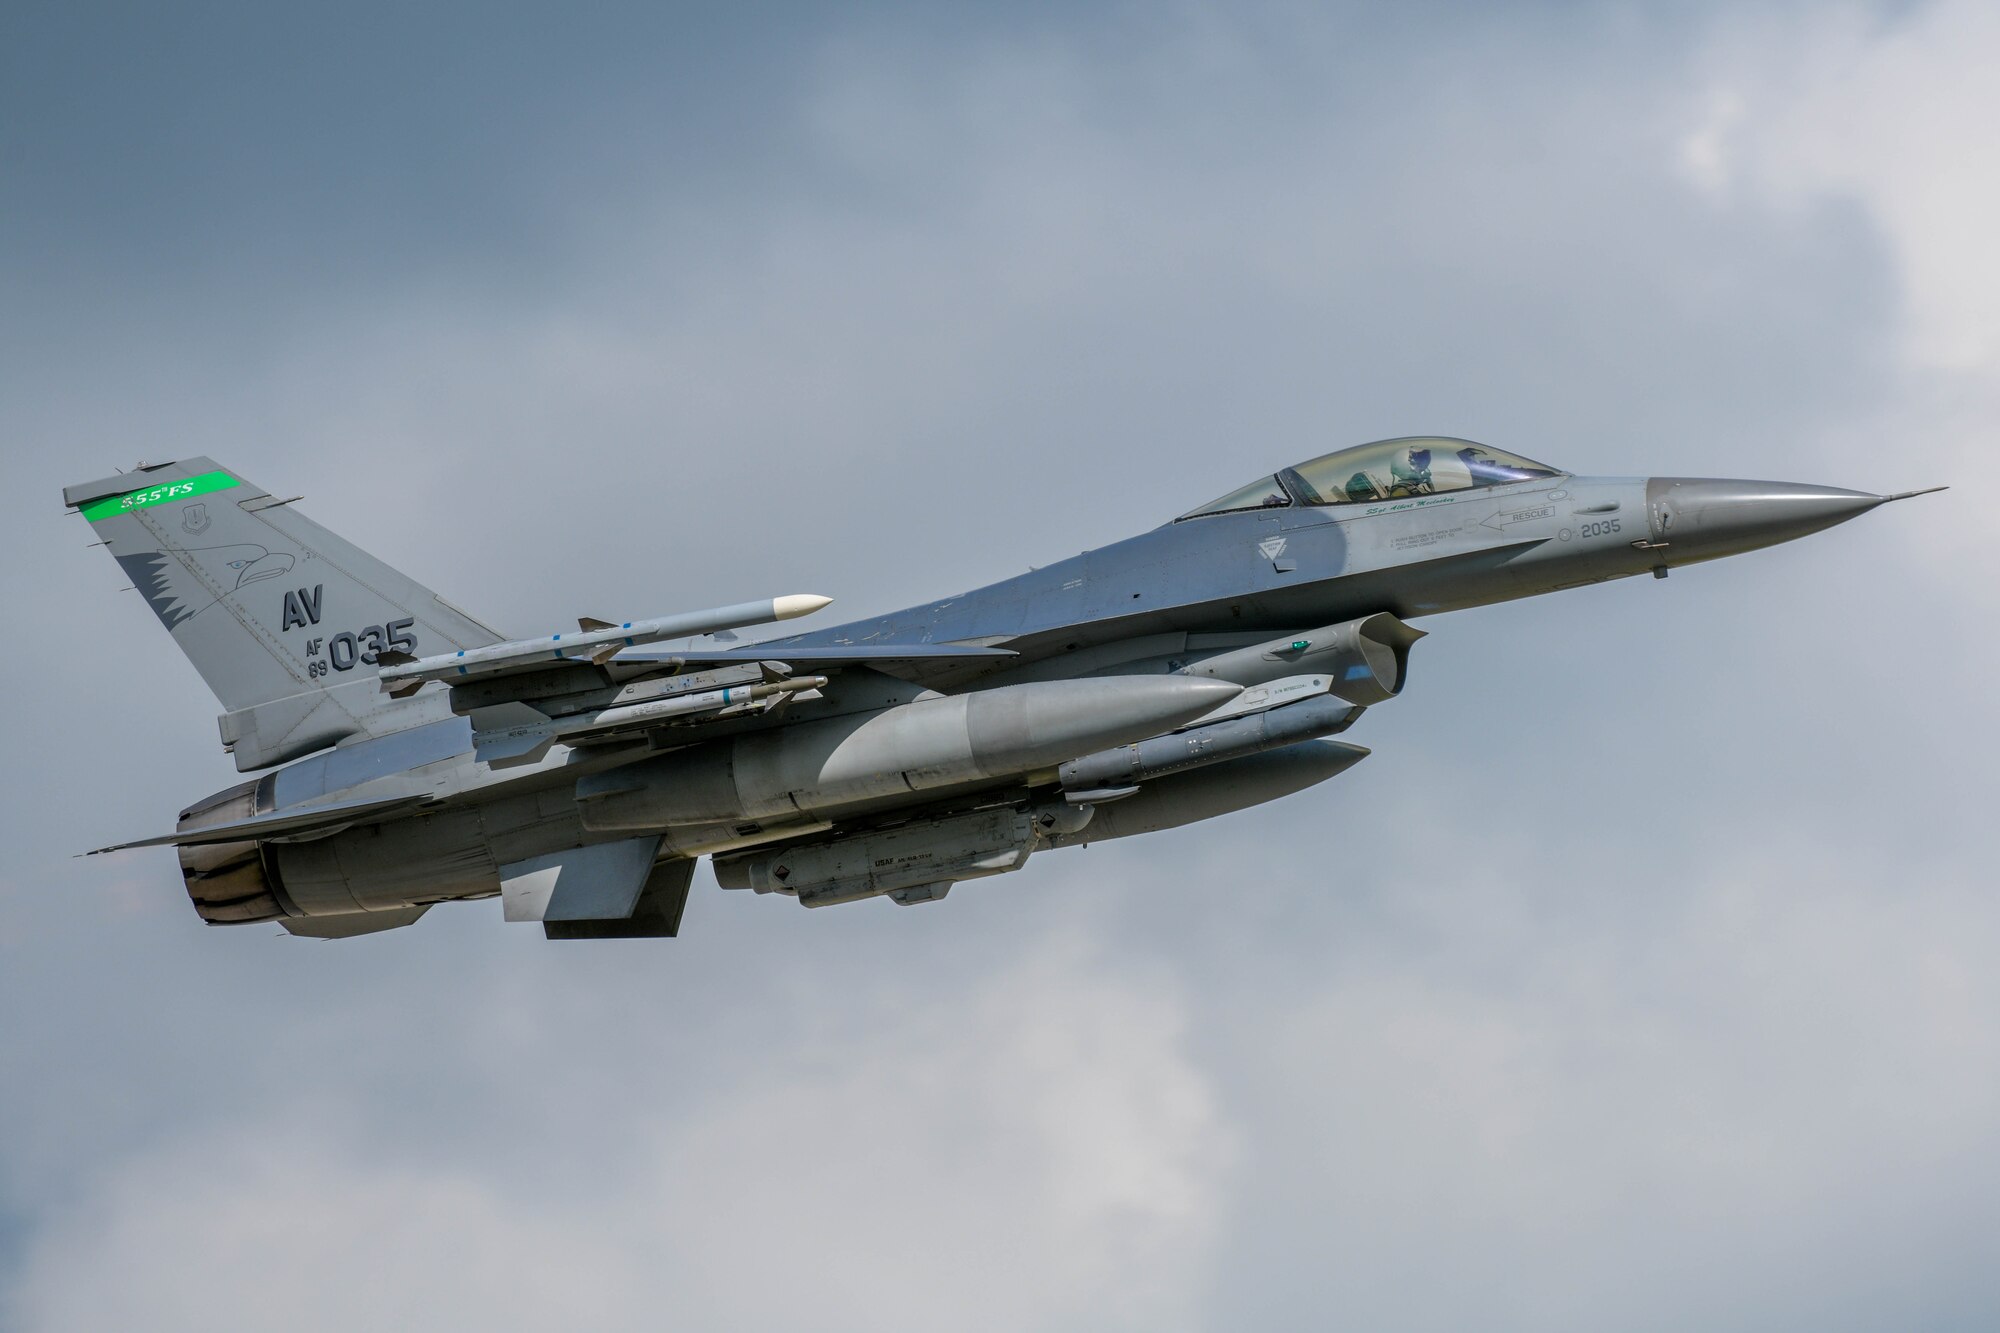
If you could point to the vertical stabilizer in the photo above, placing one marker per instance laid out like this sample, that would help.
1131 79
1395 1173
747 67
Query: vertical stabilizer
285 621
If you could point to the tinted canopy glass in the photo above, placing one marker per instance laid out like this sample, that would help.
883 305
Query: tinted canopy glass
1263 493
1385 470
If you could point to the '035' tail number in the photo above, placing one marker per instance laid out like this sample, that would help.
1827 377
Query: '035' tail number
344 650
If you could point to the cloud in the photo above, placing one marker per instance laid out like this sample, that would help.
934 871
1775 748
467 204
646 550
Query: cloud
1887 114
1771 1099
1036 1151
1804 113
1636 977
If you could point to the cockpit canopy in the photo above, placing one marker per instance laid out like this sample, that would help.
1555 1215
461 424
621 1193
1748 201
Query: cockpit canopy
1385 470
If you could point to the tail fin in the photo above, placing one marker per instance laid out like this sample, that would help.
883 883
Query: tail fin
283 620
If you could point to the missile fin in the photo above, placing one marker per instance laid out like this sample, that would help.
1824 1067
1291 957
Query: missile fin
512 750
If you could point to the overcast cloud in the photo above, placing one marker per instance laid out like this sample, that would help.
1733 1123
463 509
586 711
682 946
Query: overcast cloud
1641 979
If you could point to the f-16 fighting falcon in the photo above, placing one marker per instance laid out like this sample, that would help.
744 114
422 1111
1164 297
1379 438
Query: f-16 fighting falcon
409 755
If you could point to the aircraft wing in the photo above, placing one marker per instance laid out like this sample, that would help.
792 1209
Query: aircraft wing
837 655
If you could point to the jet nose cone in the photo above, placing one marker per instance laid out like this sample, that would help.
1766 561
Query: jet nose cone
1701 518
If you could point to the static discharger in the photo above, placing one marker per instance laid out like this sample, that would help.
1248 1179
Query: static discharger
597 643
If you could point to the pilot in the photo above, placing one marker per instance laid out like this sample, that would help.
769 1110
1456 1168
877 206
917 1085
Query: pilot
1410 474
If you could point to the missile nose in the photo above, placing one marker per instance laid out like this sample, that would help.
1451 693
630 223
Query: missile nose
1702 518
797 604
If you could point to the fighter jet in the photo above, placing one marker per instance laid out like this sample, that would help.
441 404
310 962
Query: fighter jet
409 755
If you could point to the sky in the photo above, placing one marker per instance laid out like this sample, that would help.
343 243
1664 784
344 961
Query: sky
1640 979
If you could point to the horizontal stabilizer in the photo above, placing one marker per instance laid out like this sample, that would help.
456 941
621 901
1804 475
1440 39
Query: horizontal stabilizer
327 818
349 924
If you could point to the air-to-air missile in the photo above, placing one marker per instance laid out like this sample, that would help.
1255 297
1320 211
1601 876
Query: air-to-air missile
596 642
408 755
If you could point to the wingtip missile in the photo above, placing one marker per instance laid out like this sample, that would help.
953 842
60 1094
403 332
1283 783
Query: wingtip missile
598 642
798 604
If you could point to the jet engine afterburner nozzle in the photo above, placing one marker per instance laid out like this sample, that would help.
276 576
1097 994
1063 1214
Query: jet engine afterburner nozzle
227 880
1368 659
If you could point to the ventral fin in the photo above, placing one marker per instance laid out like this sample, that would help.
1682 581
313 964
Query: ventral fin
600 882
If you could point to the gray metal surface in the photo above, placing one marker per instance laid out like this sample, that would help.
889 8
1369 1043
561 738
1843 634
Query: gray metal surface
933 744
656 916
1185 798
1198 747
598 882
1173 677
274 611
595 643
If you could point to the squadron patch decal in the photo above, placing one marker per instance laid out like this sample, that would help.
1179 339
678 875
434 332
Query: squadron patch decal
166 493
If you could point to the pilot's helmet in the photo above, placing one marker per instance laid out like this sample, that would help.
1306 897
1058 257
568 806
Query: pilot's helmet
1420 459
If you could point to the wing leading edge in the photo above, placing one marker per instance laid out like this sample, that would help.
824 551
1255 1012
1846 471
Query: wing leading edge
819 656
